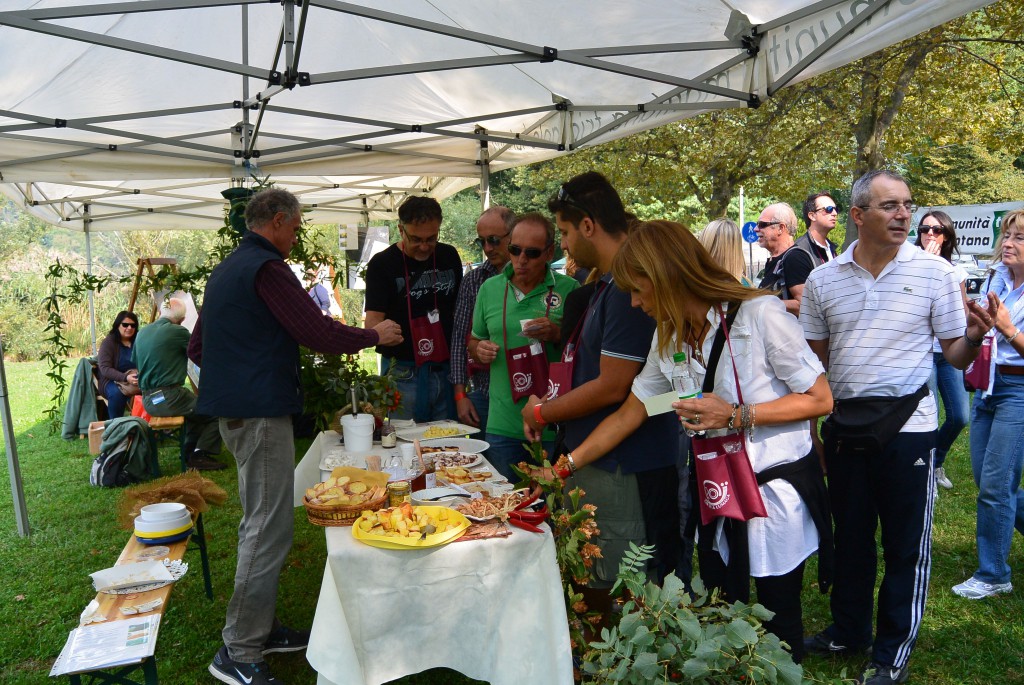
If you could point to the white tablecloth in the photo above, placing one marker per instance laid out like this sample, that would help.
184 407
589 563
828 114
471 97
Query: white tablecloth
491 609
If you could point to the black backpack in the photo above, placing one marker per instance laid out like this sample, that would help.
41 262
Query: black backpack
108 469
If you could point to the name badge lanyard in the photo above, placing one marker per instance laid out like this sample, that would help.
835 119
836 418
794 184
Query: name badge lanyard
560 373
527 365
428 340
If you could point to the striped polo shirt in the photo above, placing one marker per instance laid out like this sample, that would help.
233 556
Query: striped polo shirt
880 331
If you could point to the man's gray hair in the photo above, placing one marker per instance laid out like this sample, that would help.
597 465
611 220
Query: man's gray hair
503 213
860 194
173 310
781 211
264 205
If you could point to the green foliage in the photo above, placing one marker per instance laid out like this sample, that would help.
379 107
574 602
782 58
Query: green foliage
327 384
667 635
574 526
963 174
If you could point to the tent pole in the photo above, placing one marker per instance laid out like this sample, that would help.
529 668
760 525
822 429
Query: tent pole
11 447
485 176
88 270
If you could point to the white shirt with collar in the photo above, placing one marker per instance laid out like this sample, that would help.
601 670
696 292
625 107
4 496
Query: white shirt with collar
772 360
880 330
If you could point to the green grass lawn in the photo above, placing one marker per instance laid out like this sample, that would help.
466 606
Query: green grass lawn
44 582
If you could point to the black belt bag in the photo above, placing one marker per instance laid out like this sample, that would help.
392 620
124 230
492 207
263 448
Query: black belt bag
870 422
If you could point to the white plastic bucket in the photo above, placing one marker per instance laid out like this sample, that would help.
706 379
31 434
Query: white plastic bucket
357 431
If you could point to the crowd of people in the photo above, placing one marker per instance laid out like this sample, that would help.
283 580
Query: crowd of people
870 337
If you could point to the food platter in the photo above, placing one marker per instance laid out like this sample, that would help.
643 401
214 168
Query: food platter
414 542
464 445
456 459
461 475
424 431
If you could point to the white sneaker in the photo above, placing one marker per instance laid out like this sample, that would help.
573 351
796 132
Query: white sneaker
975 589
942 480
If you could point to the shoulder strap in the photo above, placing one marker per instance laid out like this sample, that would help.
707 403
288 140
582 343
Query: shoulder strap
716 350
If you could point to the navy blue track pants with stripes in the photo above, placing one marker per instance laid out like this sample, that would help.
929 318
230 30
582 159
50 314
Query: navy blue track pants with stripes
894 488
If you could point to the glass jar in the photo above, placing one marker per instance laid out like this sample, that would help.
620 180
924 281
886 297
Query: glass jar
388 435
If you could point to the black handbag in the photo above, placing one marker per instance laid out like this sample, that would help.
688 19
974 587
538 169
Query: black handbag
870 422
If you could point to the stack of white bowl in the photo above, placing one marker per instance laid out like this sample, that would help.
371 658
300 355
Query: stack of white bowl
163 522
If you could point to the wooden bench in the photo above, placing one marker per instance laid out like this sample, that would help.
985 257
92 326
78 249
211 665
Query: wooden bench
110 607
172 423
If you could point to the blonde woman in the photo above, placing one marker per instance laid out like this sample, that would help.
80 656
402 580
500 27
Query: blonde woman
724 242
674 280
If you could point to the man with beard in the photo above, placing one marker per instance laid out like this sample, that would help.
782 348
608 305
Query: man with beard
634 486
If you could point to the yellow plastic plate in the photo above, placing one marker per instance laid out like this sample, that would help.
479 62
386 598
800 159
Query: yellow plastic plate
432 540
165 533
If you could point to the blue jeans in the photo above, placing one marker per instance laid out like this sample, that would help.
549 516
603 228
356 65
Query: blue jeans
997 455
947 382
505 451
116 402
439 393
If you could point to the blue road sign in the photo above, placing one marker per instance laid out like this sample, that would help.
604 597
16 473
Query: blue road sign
749 234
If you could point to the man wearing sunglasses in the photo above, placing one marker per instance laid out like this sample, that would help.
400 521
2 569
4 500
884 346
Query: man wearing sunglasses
516 332
492 231
415 282
820 214
787 268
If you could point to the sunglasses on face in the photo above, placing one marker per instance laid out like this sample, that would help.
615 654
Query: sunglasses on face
828 209
125 324
564 196
761 225
530 252
492 240
931 229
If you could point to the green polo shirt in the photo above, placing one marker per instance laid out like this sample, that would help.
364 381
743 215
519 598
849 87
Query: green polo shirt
504 417
159 353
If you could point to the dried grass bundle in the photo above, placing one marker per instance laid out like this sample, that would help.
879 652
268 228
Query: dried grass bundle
189 488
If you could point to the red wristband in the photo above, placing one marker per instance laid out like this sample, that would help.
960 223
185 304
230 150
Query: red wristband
536 415
460 396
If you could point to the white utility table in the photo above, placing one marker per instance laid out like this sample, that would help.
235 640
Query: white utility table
490 609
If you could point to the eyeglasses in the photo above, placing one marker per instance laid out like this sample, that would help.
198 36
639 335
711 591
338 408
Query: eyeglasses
892 207
930 229
530 252
828 209
415 240
125 324
492 240
564 196
761 225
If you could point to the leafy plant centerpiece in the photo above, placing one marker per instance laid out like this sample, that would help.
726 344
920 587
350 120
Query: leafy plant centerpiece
336 385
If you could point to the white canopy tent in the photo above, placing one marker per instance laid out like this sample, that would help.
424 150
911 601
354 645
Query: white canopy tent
135 115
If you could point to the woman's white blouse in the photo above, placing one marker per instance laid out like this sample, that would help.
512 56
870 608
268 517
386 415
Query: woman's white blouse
772 360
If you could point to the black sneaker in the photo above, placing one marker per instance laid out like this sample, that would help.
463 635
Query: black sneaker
200 462
823 644
285 639
884 675
233 672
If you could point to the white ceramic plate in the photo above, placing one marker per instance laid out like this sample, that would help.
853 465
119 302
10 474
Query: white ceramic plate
416 432
464 445
470 459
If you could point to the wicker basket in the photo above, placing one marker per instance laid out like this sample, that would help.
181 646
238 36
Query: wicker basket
340 514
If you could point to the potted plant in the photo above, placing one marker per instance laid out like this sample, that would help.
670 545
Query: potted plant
336 385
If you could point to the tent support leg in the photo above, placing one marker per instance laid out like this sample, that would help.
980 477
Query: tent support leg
485 176
11 446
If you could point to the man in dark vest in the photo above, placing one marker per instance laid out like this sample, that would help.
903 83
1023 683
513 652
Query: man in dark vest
255 315
821 213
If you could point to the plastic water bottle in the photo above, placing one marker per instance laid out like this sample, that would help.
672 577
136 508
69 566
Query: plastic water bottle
683 379
685 383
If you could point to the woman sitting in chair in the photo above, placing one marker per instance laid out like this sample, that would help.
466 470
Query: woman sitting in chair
114 361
